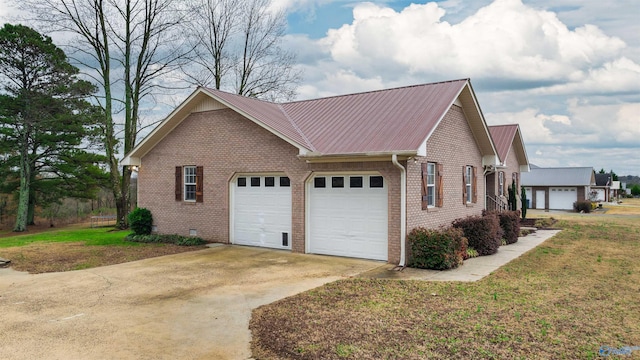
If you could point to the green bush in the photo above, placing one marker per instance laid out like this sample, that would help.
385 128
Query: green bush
582 206
483 232
167 239
140 221
436 249
510 225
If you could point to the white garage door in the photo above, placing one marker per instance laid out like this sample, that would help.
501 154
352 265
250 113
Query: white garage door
262 211
348 216
562 198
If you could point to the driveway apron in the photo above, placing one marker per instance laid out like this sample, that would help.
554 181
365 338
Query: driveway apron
194 305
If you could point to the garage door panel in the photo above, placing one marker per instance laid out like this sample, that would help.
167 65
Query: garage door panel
562 198
261 213
348 221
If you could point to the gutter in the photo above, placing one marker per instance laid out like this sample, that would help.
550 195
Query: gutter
403 208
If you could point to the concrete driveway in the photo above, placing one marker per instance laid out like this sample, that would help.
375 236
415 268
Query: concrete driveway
194 305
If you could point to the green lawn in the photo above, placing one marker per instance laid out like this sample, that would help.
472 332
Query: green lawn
96 236
577 292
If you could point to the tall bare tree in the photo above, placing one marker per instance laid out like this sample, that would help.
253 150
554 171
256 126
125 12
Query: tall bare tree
127 47
238 48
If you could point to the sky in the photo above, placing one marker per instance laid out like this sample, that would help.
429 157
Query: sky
566 71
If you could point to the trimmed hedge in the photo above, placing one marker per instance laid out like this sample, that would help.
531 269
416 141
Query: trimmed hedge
166 239
483 232
436 249
140 221
582 206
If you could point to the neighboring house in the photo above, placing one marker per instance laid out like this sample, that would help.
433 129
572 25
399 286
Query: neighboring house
557 188
601 191
513 160
345 175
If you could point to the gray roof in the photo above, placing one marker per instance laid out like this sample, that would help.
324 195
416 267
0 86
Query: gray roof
560 176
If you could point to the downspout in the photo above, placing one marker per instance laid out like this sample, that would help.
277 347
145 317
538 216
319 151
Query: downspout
403 207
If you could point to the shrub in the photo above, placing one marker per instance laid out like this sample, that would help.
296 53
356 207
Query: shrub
167 239
436 249
471 253
483 232
140 221
510 225
582 206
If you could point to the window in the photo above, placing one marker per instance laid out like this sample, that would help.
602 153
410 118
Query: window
468 180
432 187
319 182
337 182
189 183
269 181
284 181
469 184
431 184
355 182
501 183
376 182
242 181
255 181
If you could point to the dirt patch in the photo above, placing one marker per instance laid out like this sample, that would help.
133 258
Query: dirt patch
56 257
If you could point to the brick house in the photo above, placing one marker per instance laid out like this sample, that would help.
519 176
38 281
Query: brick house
346 175
513 161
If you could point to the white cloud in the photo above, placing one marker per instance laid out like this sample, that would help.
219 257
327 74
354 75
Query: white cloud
505 39
586 124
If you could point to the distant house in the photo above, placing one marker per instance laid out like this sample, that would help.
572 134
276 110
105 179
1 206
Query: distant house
513 161
557 188
601 191
345 175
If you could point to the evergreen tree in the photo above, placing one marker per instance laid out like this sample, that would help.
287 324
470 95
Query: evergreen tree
46 125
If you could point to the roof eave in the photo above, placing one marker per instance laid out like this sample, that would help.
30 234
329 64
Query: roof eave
315 157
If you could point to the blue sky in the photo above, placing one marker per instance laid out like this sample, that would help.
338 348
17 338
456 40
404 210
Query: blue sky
567 71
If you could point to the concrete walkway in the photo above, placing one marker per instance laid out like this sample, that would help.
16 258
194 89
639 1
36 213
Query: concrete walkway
473 269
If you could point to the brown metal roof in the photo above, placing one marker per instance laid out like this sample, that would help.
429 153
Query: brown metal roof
389 120
267 113
502 136
378 121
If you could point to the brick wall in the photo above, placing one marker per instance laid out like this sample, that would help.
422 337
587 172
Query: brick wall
453 145
225 143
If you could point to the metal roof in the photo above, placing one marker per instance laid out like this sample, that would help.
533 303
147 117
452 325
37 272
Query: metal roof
559 176
502 136
378 121
386 121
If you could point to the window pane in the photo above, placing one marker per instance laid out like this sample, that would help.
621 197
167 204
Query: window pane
337 182
269 181
431 196
284 181
376 182
319 182
255 181
242 182
355 181
190 192
431 173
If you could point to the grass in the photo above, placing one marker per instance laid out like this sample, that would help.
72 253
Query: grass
627 207
96 236
565 299
77 248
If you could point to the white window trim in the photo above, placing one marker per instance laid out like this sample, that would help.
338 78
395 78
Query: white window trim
431 186
501 183
469 183
185 183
